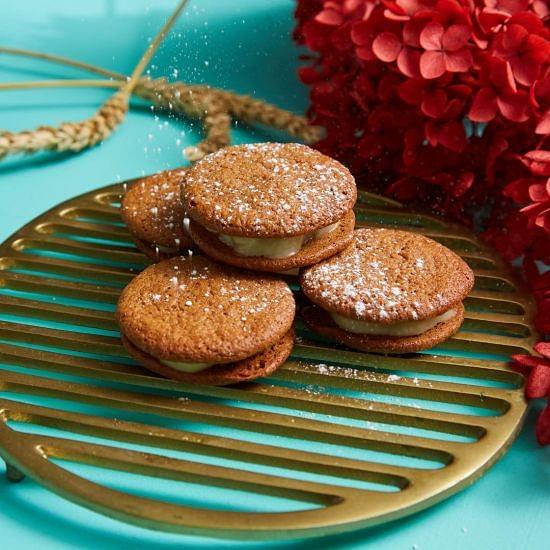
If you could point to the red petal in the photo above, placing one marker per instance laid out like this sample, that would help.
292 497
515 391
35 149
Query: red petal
434 104
538 48
541 8
543 426
538 382
408 61
386 47
518 190
514 107
411 33
512 38
538 155
365 53
525 71
503 77
543 127
528 20
458 62
543 220
524 363
308 75
451 135
431 36
537 192
484 106
330 17
543 348
412 91
361 33
432 64
455 37
489 19
463 184
393 16
538 162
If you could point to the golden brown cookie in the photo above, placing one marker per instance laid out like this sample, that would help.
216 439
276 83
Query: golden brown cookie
390 291
270 206
194 311
153 212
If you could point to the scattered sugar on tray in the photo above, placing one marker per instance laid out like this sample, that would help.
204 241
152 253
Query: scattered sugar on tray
393 378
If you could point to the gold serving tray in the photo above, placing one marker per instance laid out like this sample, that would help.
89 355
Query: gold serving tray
343 439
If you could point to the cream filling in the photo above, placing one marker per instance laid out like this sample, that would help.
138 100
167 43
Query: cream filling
275 247
187 367
401 328
165 249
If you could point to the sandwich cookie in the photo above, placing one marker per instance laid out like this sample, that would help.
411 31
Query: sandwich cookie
270 206
153 211
390 291
199 322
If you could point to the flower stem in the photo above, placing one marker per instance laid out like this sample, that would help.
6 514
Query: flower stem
62 61
65 83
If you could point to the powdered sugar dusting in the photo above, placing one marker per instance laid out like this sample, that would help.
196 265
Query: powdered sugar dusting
154 212
268 189
386 275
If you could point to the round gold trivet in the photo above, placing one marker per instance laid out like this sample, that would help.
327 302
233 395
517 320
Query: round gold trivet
347 439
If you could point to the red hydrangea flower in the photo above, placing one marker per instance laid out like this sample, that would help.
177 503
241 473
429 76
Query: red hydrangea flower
446 50
526 52
498 94
537 370
445 103
406 51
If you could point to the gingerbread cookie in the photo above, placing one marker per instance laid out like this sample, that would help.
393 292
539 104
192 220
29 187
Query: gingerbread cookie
390 291
154 214
194 320
270 206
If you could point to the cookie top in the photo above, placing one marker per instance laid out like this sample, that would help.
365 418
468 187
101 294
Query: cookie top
387 275
153 210
268 190
194 310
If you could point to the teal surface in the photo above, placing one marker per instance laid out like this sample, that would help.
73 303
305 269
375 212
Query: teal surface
243 45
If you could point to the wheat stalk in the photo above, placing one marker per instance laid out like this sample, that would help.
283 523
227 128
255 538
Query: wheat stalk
75 136
214 107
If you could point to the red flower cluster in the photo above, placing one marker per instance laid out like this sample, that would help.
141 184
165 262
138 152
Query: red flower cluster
447 103
537 370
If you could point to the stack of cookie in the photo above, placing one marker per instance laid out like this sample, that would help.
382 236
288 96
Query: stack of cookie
224 314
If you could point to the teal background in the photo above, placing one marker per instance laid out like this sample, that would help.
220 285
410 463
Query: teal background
244 45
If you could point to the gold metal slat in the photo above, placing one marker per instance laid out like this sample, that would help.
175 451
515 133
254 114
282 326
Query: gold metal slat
449 366
79 249
77 270
58 287
279 396
429 390
58 313
232 417
63 339
223 447
84 229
